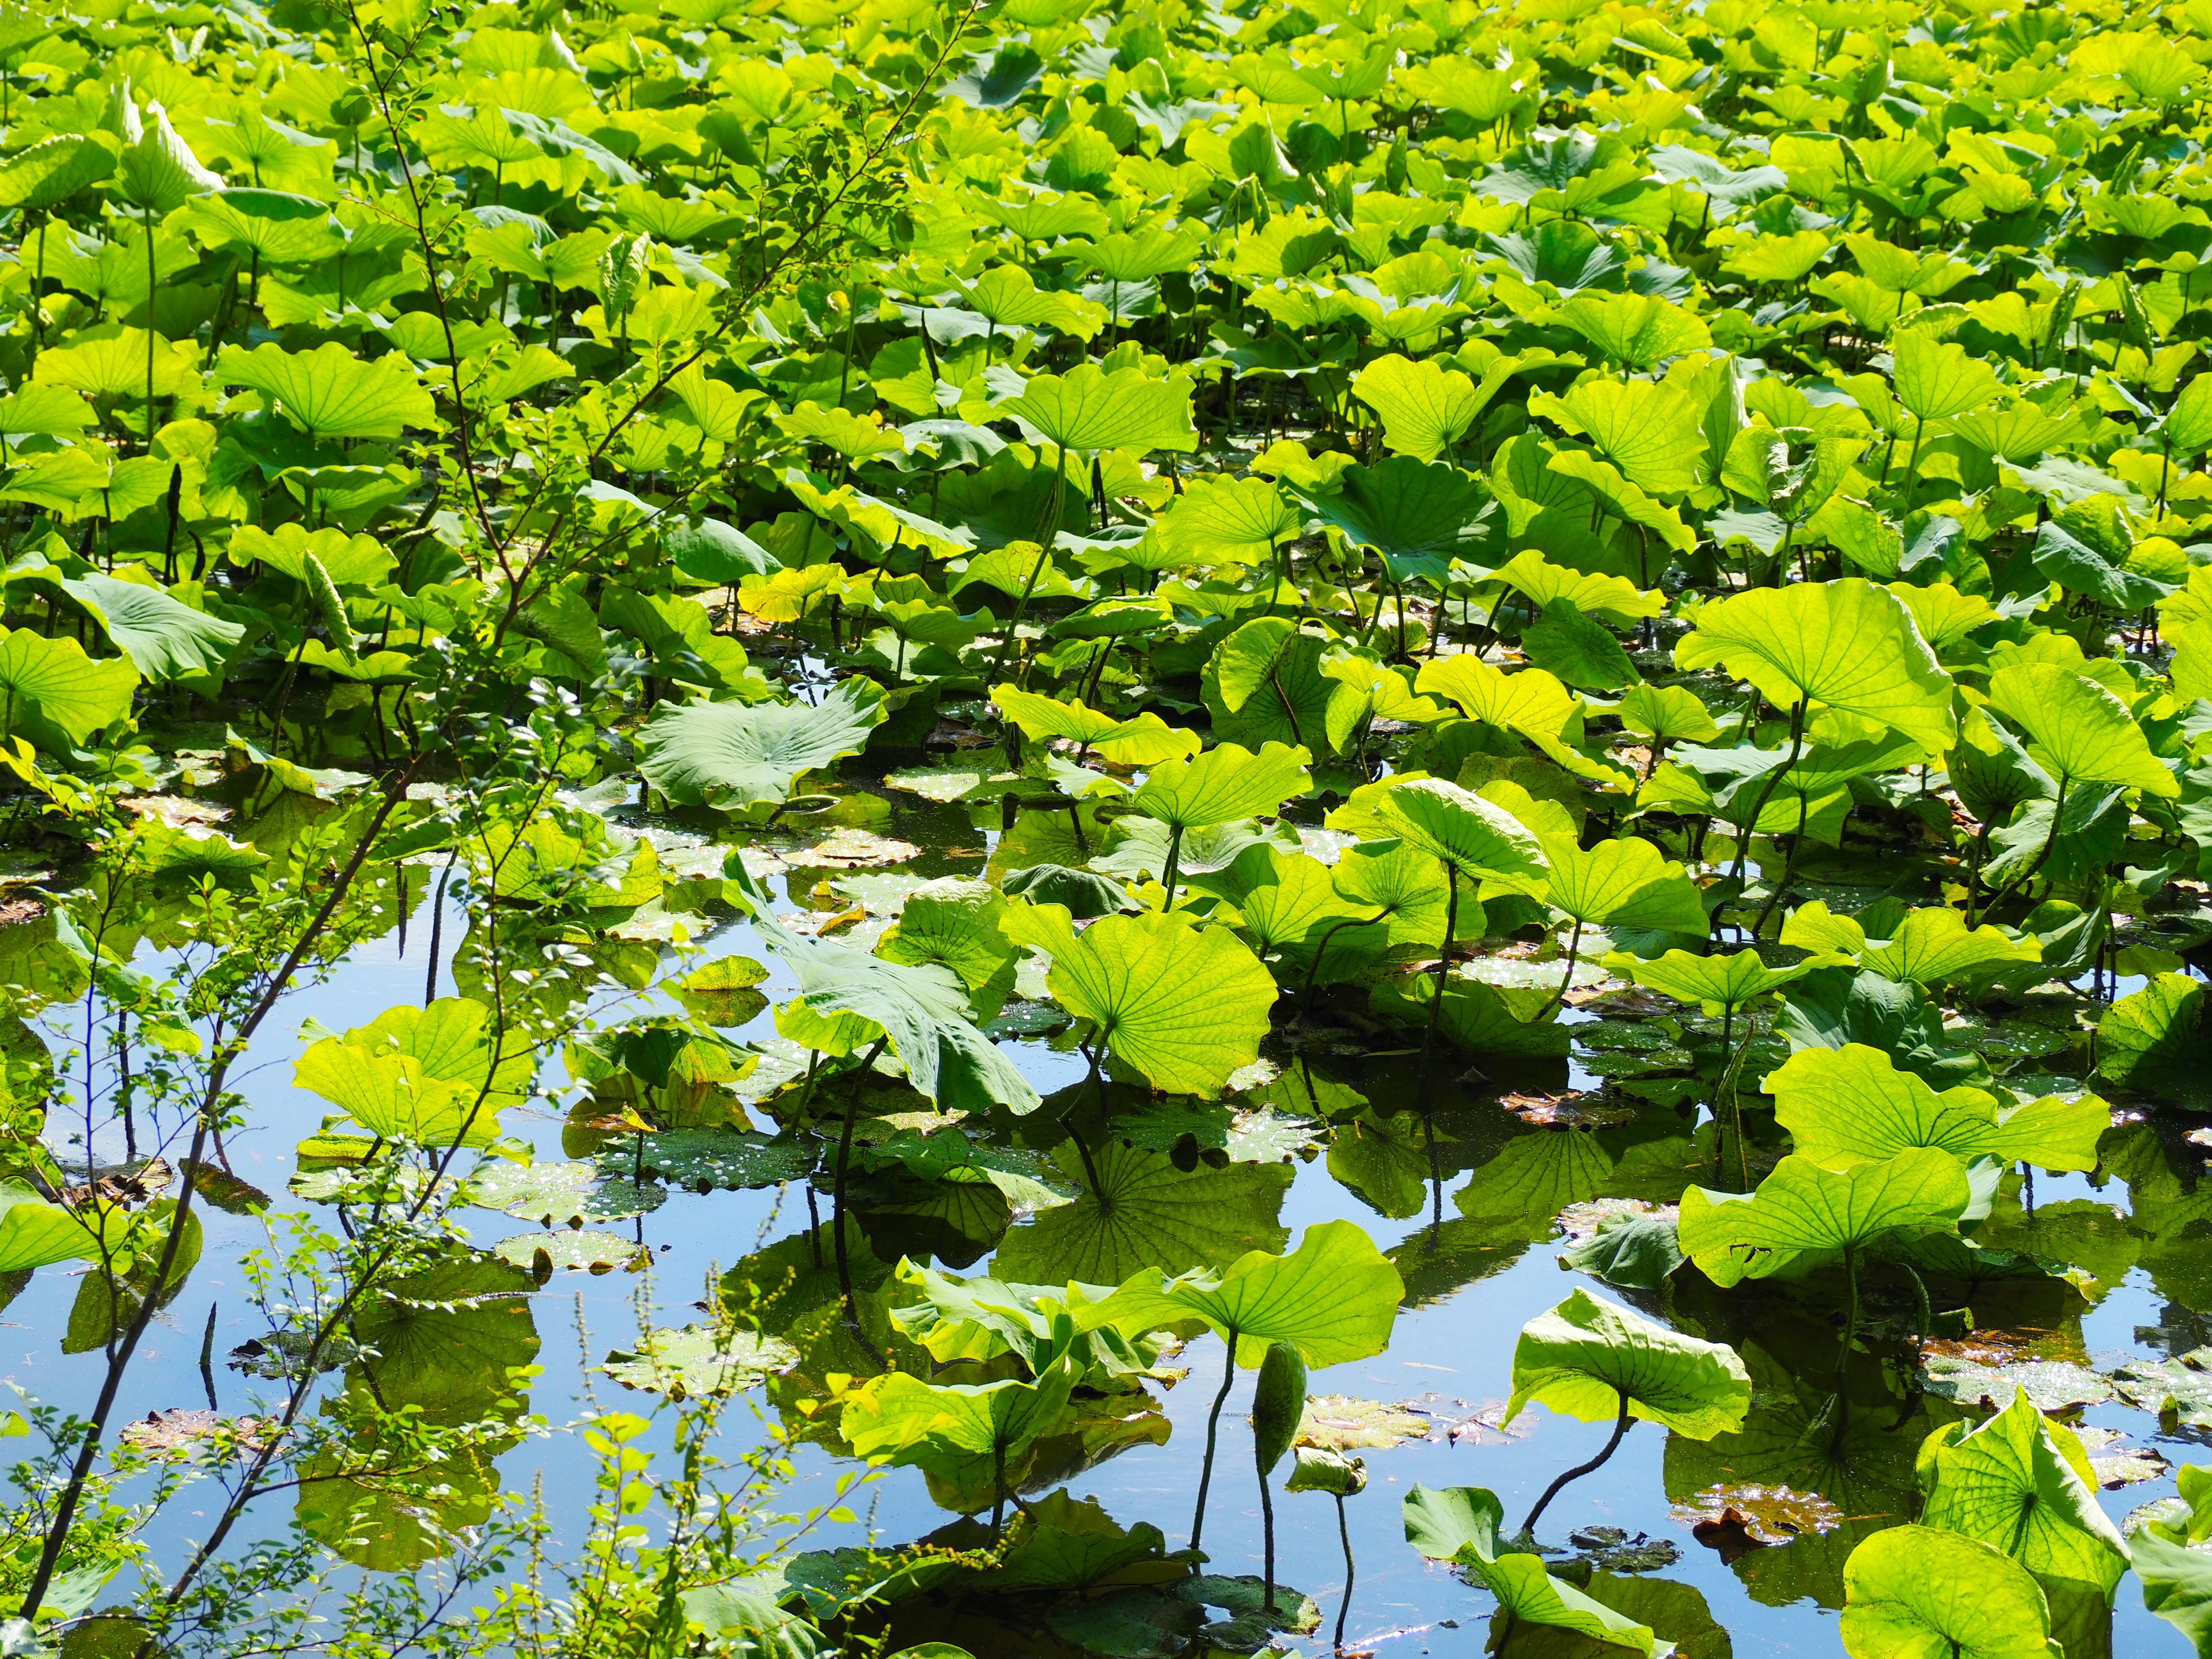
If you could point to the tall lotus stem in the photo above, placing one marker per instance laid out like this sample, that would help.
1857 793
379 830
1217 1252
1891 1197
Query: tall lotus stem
1443 961
837 1206
1212 1430
1619 1431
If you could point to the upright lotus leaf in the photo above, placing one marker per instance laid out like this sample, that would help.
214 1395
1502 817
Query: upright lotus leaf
157 171
1938 378
1934 944
1847 643
1088 409
1220 520
970 1438
1719 984
1462 1524
1476 837
1636 330
2023 1484
1577 650
51 171
1622 884
922 1009
1145 740
1182 1004
1917 1592
1587 1356
329 393
1426 409
55 695
955 924
164 637
423 1074
1851 1105
1406 883
733 755
1334 1299
1648 429
2177 1584
1531 702
1225 783
2151 1041
1801 1208
2077 729
36 1234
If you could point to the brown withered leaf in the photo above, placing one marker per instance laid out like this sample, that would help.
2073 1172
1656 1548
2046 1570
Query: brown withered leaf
1737 1519
1335 1422
125 1185
176 1431
1576 1108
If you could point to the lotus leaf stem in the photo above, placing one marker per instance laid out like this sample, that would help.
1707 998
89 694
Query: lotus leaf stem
1619 1431
1212 1430
844 1159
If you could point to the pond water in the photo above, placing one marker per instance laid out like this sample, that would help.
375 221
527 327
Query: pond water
1478 1249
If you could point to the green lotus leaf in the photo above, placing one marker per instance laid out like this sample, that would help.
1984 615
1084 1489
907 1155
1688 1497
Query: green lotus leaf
1475 836
2023 1484
1461 1525
36 1234
50 172
157 171
2080 567
112 361
1220 520
1830 1007
430 1075
955 924
1917 1592
1334 1299
1088 409
2177 1585
1847 643
1851 1105
697 1362
55 695
1225 783
282 229
1717 984
1406 510
2151 1041
1144 1212
730 754
1182 1004
1622 884
1636 330
329 393
1635 1252
1933 945
1585 1356
1406 883
2077 729
1801 1207
1532 702
163 636
1577 650
922 1009
1936 379
1147 740
1649 431
1426 409
964 1434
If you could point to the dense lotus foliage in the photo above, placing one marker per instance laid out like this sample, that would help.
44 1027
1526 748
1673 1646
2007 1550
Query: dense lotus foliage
1581 630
